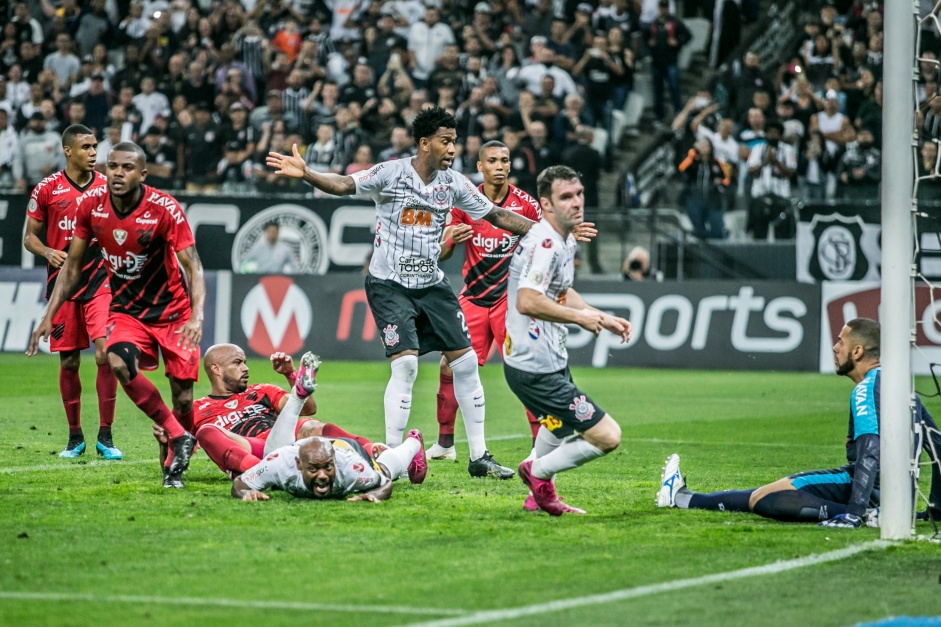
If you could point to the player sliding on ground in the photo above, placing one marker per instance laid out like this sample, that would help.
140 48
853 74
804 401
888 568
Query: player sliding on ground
325 467
838 497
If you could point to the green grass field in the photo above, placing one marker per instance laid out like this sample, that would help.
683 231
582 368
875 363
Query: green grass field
102 543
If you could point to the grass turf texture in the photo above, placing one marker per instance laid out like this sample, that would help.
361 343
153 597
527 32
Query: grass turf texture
109 530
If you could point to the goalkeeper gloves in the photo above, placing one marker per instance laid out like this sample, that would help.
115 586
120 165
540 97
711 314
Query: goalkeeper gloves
842 521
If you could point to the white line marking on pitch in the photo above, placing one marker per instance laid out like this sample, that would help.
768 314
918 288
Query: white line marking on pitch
632 593
518 436
91 464
238 603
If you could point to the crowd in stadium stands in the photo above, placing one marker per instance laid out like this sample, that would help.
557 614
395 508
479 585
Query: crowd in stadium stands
208 87
809 129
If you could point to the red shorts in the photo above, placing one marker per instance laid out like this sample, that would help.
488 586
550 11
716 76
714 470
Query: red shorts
179 363
76 321
487 326
258 442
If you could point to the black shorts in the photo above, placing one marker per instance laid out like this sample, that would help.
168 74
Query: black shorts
555 400
834 484
426 319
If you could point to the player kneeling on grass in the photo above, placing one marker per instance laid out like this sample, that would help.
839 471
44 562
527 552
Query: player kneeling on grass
540 302
839 497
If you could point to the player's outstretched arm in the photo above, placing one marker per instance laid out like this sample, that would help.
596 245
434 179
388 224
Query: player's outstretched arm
33 243
509 221
66 286
531 303
242 491
614 324
381 493
293 165
192 332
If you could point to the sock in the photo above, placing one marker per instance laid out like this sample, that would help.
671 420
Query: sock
728 501
545 442
470 398
330 430
533 424
571 454
398 397
397 459
146 396
227 454
797 506
447 411
185 418
106 384
284 428
70 386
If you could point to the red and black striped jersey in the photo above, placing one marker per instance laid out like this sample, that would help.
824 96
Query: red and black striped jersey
139 250
54 202
488 252
248 413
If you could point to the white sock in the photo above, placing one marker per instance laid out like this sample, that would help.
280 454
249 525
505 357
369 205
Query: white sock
283 429
470 398
571 454
398 398
397 459
545 443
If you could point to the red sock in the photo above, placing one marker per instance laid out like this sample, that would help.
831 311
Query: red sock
185 419
330 430
107 386
146 396
447 410
70 386
533 423
227 454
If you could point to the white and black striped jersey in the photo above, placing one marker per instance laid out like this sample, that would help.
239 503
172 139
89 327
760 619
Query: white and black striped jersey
412 217
544 262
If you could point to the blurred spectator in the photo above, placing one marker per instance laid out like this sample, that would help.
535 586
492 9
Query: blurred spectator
361 89
619 47
9 147
172 83
858 92
860 168
794 129
565 52
772 166
93 26
134 27
532 76
269 255
588 163
929 174
233 91
704 184
522 162
106 141
599 72
287 39
202 144
323 107
395 82
379 117
18 90
348 138
30 61
426 41
724 146
320 154
821 61
296 99
150 103
63 62
97 103
362 160
161 158
400 145
869 114
538 140
538 20
243 74
836 130
636 265
666 36
27 28
813 165
238 141
744 84
469 113
568 120
50 116
29 107
39 154
134 70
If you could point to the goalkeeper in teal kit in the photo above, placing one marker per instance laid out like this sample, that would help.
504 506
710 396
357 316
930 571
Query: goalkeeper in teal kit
839 497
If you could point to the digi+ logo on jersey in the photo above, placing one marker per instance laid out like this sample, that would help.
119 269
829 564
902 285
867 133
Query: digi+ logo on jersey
127 266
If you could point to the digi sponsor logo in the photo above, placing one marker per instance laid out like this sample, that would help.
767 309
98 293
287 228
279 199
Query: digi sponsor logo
276 316
503 243
127 266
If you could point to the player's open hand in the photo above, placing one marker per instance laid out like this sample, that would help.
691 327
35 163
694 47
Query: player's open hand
585 232
285 165
282 363
190 334
591 320
364 497
618 326
461 233
56 258
41 333
254 495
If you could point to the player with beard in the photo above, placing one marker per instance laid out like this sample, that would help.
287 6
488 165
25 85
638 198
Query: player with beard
838 497
410 298
157 295
234 422
53 205
486 268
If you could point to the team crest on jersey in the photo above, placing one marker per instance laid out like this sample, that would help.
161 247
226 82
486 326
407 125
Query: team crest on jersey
232 404
533 329
253 395
120 236
359 467
441 195
390 336
583 408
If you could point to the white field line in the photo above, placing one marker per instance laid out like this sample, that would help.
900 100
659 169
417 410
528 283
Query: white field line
492 616
518 436
236 603
76 466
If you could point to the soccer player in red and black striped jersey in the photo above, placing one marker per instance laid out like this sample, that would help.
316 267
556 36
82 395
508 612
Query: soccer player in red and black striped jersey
52 206
486 269
157 294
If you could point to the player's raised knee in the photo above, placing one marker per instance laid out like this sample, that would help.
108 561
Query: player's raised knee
606 435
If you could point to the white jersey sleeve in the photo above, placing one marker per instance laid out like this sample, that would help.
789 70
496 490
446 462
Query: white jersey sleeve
470 199
278 471
371 182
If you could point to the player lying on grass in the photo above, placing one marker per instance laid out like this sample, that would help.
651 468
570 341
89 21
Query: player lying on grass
234 422
838 497
321 467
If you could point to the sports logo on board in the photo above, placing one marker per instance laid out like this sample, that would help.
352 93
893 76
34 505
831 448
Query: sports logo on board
276 316
302 230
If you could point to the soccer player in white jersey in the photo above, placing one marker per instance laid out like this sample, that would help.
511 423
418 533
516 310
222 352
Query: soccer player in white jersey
412 301
540 303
